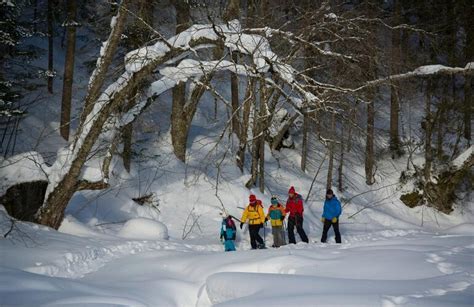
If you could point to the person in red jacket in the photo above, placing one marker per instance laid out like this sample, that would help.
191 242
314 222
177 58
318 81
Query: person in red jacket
294 206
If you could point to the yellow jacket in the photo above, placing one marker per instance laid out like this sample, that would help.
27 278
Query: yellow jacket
254 213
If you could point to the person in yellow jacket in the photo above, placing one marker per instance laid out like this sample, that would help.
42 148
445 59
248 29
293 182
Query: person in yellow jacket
256 217
276 215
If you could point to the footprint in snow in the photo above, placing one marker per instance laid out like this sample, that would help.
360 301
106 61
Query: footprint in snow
443 267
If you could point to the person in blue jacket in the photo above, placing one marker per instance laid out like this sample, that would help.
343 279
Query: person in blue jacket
332 211
228 233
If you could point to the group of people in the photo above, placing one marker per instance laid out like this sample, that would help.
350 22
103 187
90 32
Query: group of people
256 218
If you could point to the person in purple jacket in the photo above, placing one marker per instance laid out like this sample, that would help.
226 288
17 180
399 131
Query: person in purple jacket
331 212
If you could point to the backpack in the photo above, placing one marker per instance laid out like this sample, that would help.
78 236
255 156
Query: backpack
229 229
275 214
230 223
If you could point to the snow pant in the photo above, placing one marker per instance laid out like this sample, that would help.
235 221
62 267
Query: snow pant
278 236
297 221
327 225
229 245
255 237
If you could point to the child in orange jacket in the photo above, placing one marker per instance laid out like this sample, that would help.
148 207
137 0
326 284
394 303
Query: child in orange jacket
276 215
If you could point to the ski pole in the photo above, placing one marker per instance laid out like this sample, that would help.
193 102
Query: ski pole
235 218
264 233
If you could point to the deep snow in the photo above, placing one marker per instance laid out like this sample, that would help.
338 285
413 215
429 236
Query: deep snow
374 268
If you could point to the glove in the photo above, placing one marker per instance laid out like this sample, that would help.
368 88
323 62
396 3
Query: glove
222 239
323 219
282 218
334 220
241 225
266 219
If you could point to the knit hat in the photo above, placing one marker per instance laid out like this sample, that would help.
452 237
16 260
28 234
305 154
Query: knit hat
252 198
291 190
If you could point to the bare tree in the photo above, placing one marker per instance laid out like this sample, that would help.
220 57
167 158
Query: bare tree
71 25
233 12
249 101
331 151
141 33
395 146
50 72
428 127
468 106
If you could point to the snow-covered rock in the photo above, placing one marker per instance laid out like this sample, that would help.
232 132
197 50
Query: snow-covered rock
144 229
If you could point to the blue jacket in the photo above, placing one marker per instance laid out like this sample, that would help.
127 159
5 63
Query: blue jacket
332 208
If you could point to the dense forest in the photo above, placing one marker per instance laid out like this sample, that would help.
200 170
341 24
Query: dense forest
368 80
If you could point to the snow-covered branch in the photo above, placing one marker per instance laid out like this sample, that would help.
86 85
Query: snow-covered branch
107 51
292 38
422 71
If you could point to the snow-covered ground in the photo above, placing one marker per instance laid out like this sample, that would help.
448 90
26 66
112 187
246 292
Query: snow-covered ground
41 267
109 251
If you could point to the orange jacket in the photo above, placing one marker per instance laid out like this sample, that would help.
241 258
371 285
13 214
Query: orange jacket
254 213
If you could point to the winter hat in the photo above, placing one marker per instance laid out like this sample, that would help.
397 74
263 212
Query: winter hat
291 190
252 198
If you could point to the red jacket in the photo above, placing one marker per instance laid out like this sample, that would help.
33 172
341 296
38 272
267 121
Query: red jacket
295 205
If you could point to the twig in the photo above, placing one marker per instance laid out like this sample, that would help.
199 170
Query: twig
316 175
368 191
12 221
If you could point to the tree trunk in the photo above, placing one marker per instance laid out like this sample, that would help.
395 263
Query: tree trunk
234 88
68 69
428 131
331 152
233 12
395 146
263 123
440 127
304 146
50 46
142 35
127 132
468 108
369 149
394 97
369 9
353 115
179 131
52 211
179 128
255 148
247 104
340 186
